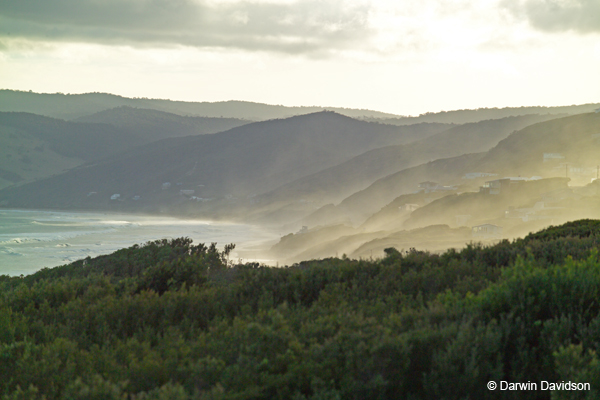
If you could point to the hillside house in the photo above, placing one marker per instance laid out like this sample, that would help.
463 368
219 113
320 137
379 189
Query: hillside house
187 192
474 175
166 185
115 196
515 179
486 231
495 186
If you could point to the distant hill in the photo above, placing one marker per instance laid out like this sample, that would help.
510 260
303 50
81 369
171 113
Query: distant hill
33 146
481 114
155 125
71 106
241 162
334 184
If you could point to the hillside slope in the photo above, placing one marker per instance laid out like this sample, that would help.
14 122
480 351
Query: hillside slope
241 162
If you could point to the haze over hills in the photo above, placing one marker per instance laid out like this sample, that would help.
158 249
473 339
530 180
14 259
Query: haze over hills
241 162
71 106
569 140
285 171
334 184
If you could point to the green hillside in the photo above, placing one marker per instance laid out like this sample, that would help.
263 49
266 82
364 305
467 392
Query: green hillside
172 320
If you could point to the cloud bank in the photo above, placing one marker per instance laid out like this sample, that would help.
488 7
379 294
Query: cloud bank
299 27
581 16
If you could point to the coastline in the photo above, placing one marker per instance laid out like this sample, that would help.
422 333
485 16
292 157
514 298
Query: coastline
34 239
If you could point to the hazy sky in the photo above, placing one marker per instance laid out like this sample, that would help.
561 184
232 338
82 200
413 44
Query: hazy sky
401 56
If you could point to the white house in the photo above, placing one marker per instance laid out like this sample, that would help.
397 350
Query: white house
115 196
486 231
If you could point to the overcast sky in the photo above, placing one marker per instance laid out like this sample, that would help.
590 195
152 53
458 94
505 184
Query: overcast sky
405 57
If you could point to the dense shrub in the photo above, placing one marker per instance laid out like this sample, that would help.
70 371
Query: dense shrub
173 320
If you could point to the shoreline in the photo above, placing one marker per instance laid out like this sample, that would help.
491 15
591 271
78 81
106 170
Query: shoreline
68 236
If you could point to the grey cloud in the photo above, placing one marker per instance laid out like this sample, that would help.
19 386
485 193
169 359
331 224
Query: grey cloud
581 16
302 27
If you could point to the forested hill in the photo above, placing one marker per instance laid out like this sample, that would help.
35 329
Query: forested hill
173 320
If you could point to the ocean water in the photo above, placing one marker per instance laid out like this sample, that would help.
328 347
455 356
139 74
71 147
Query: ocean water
31 240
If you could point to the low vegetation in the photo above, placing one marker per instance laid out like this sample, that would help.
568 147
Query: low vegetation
173 320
